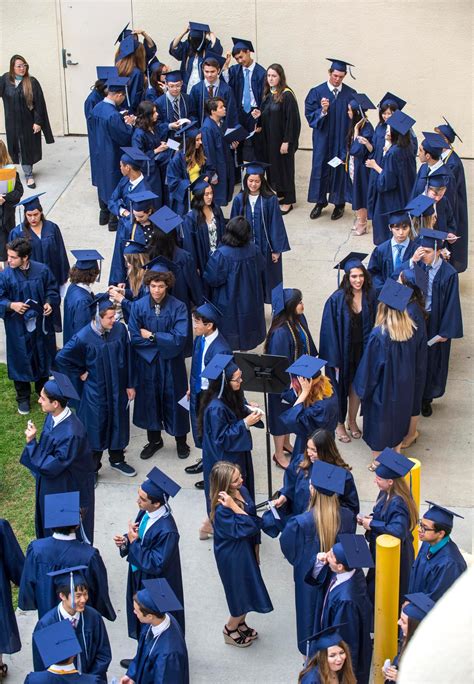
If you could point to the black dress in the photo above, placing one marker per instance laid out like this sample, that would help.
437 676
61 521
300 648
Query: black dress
7 215
281 123
356 345
19 121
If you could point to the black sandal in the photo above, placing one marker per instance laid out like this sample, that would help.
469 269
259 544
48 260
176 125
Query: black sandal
241 641
3 670
247 631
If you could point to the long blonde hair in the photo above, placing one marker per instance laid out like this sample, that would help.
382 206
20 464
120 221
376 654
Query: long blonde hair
25 81
4 156
320 659
222 474
136 270
397 324
327 517
401 489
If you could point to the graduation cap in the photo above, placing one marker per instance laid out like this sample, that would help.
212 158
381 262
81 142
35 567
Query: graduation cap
392 465
325 638
416 276
327 478
434 239
220 59
280 297
127 46
200 184
392 101
73 577
142 200
123 34
191 129
159 485
101 302
362 102
196 29
31 203
160 264
353 552
439 178
352 260
87 258
56 643
153 65
35 308
209 311
447 130
419 605
422 205
272 525
236 134
106 72
61 510
395 295
241 44
307 366
61 386
134 247
397 216
340 65
166 220
255 167
173 76
134 157
117 84
433 143
400 122
440 514
220 363
157 595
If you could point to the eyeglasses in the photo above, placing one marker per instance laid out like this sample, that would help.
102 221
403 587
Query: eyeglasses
237 380
21 66
423 528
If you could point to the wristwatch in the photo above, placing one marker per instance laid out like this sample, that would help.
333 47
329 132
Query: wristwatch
151 338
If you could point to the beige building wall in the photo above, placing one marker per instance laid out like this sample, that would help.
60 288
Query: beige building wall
419 50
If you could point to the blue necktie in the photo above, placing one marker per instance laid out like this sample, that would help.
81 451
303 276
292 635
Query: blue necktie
247 95
141 532
398 257
199 355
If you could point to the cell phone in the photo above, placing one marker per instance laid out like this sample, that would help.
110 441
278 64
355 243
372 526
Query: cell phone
30 424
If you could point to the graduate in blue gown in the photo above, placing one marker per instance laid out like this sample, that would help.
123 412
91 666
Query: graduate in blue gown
326 113
62 550
259 204
389 255
343 598
388 374
348 317
396 177
439 562
73 592
186 166
394 513
158 328
29 330
306 534
12 561
151 545
289 336
47 246
187 286
313 400
429 153
97 94
236 550
174 104
61 461
201 92
59 648
332 655
150 137
162 656
198 40
220 169
235 272
99 361
79 295
155 73
130 61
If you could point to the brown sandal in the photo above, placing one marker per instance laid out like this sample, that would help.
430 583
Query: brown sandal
240 641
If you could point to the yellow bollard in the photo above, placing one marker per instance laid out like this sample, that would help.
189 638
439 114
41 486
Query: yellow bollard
413 480
387 582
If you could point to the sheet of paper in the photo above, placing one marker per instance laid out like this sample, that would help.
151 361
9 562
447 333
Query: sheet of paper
335 162
172 144
184 402
183 121
274 511
434 340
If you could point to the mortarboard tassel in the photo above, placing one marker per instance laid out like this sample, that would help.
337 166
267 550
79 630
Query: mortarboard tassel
221 391
71 589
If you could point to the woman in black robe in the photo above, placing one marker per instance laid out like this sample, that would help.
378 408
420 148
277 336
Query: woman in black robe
10 194
281 128
26 116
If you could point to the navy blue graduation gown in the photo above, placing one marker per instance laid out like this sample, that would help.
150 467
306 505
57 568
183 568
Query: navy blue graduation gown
155 169
62 462
161 660
394 519
358 188
48 677
166 111
103 406
178 182
269 234
108 133
386 382
335 340
236 275
156 555
257 84
29 354
184 52
445 319
196 236
347 604
11 566
77 311
225 438
235 538
37 591
459 251
199 96
312 676
91 633
381 264
378 143
304 420
435 574
91 101
418 316
217 346
135 88
160 368
300 544
393 188
329 140
421 184
282 343
219 161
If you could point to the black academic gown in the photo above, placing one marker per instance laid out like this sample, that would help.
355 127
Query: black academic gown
62 462
11 566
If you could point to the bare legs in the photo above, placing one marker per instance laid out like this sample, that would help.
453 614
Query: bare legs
412 434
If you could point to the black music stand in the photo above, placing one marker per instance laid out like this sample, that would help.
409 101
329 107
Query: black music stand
264 373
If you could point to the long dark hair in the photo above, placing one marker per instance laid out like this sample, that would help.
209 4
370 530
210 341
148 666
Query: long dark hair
413 625
290 318
26 224
197 203
278 95
155 79
162 244
418 297
233 400
25 81
347 287
399 139
356 117
101 87
193 155
237 232
327 450
265 189
388 105
145 112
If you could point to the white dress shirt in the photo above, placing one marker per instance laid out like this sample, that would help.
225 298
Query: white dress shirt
207 342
